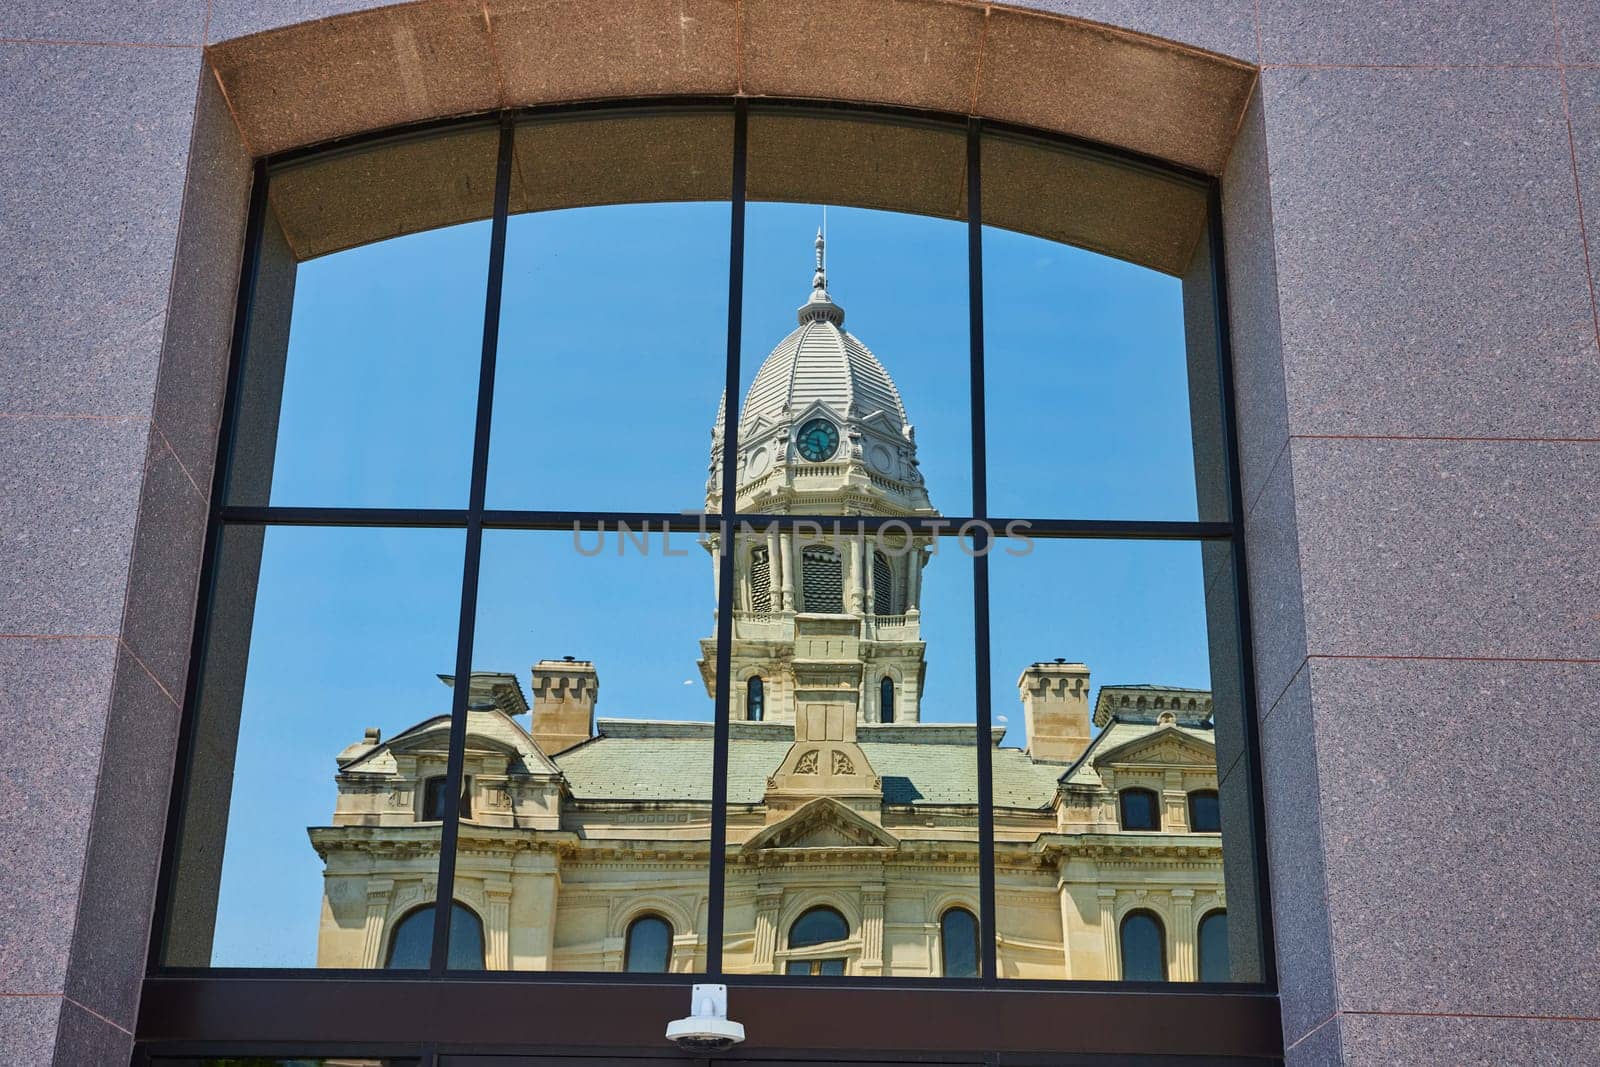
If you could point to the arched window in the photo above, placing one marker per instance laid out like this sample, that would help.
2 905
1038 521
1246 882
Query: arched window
822 580
760 580
886 699
1144 948
1140 809
882 585
1213 940
755 698
1205 816
816 927
958 943
411 943
648 947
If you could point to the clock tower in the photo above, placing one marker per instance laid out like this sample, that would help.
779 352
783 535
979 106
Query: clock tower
826 623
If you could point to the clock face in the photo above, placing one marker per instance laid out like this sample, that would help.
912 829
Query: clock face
817 440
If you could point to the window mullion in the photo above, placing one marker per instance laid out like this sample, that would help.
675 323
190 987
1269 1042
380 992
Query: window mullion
449 831
988 960
715 895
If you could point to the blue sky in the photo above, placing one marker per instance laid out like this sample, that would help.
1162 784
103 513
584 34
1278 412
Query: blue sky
610 365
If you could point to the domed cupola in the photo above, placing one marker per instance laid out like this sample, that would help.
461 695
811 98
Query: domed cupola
823 430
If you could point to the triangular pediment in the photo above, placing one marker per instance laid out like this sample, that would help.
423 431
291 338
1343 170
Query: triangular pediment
1167 746
823 823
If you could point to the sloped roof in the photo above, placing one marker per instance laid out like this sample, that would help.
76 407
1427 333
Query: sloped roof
920 764
1121 731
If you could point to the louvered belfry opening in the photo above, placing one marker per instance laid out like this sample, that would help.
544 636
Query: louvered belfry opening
823 580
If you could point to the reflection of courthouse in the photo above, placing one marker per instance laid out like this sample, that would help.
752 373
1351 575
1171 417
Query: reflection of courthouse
852 825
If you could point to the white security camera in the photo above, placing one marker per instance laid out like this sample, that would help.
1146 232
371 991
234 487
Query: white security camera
707 1028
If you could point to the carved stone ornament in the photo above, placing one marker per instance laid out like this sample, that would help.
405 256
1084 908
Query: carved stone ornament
807 763
841 763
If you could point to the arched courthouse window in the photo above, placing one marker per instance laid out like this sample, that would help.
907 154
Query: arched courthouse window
755 698
823 580
816 928
1213 938
411 942
958 943
886 699
648 945
1144 948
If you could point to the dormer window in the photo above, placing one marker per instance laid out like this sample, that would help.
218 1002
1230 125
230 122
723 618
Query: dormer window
1205 814
433 796
1140 809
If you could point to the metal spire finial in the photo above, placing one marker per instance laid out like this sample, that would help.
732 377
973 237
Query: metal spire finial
820 279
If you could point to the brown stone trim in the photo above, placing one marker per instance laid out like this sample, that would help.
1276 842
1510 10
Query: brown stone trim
395 66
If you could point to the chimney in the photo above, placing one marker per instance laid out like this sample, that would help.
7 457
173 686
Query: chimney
564 694
1055 706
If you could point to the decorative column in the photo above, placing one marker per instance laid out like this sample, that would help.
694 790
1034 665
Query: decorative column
872 928
914 562
774 571
497 925
1181 937
785 553
766 947
852 576
1108 929
378 892
1175 819
797 587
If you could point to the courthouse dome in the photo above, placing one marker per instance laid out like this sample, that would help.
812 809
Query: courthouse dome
823 428
821 361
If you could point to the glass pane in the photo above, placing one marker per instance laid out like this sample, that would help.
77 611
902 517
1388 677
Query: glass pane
614 318
850 834
854 359
589 771
1122 658
1100 355
649 948
319 717
360 374
1214 965
1144 954
958 943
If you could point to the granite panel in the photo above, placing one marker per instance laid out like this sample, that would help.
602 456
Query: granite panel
84 1038
112 933
1430 264
91 177
1112 87
1227 27
1250 262
1583 95
53 699
144 22
358 72
1293 794
887 51
69 490
1449 548
627 48
165 570
1320 1048
1459 880
239 18
1454 1041
1580 30
28 1028
194 352
1277 611
1414 32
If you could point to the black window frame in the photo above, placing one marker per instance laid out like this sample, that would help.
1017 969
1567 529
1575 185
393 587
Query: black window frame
1216 801
1151 797
200 1011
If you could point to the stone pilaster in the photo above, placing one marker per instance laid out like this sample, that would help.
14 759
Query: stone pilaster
379 890
872 928
497 925
1180 939
766 937
1108 930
